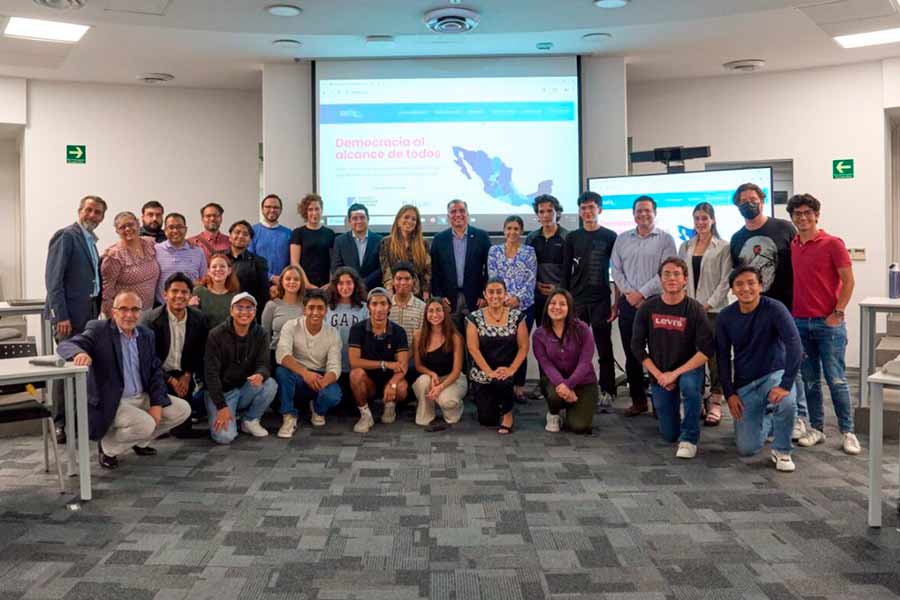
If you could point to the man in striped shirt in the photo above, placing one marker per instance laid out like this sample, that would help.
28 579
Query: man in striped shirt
176 255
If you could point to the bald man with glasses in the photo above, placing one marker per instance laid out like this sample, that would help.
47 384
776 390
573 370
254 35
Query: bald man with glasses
128 406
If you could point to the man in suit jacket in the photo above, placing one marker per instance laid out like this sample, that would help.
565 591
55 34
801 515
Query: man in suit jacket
358 248
459 261
180 331
72 273
127 401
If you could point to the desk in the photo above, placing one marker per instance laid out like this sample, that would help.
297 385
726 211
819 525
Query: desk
868 308
7 310
876 430
19 370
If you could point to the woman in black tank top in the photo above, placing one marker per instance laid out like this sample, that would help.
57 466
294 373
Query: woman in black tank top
438 354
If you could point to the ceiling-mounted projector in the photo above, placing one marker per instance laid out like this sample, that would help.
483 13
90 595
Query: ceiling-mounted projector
451 20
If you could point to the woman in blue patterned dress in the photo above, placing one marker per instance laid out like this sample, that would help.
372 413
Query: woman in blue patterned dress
516 264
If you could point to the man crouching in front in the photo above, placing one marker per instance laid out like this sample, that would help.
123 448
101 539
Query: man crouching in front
128 406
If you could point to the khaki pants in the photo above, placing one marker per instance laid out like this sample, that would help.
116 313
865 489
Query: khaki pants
133 425
450 400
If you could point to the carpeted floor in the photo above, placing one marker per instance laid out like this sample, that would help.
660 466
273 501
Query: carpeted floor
462 514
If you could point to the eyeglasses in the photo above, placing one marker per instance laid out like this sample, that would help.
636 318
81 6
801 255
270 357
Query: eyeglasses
671 274
270 207
175 227
132 310
799 214
128 225
243 309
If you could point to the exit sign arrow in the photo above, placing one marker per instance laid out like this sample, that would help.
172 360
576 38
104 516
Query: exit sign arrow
842 168
76 154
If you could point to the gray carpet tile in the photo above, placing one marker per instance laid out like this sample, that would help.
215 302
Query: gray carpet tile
462 514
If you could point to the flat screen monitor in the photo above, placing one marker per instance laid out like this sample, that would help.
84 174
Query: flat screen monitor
676 195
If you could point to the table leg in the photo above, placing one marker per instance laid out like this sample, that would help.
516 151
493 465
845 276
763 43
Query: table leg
876 423
84 442
69 399
866 335
46 336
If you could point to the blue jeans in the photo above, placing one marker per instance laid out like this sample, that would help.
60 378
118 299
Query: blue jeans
824 348
668 407
761 417
291 385
247 399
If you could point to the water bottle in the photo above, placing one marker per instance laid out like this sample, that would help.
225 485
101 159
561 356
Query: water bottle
894 281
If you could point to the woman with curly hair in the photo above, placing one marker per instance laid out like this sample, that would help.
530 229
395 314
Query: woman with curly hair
346 306
311 244
406 244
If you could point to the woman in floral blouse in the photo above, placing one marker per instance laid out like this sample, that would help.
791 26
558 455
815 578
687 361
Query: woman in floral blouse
129 264
516 264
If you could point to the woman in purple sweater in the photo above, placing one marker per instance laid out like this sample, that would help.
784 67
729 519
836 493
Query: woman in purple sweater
564 347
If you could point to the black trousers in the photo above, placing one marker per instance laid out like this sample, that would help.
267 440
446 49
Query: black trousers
634 370
493 400
596 315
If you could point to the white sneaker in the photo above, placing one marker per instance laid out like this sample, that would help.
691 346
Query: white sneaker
390 413
686 450
604 403
253 428
365 423
288 426
812 437
783 461
799 430
315 418
850 445
553 423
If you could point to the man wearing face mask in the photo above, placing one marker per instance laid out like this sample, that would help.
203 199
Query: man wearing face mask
765 243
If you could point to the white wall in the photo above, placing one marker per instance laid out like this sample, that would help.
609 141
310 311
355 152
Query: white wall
182 147
812 117
10 266
287 135
604 109
12 101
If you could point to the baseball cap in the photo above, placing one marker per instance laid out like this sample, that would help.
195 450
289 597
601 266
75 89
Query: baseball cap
379 291
243 296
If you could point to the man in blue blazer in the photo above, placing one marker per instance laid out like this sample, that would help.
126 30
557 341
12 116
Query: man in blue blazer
127 401
358 248
459 261
72 273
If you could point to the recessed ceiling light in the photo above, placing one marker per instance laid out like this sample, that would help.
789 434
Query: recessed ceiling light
871 38
283 10
287 43
611 3
47 31
596 37
451 20
544 45
155 77
745 65
380 39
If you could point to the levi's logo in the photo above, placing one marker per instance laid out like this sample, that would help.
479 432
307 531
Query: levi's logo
669 322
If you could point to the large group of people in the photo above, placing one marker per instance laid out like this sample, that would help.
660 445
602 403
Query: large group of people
210 329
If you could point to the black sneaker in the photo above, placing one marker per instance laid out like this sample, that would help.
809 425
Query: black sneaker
107 462
148 451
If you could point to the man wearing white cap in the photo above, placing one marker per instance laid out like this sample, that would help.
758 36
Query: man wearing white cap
238 378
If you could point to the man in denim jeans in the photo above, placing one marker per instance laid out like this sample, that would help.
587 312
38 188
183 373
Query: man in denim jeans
767 353
823 284
676 330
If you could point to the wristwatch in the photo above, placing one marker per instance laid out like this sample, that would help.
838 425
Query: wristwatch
383 367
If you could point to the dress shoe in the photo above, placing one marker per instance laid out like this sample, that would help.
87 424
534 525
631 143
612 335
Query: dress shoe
61 435
148 451
636 409
107 462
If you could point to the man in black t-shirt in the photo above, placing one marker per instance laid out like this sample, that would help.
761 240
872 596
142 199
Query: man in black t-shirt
585 275
379 358
677 332
765 243
549 247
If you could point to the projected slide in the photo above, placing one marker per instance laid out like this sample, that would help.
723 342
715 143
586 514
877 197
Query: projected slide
494 142
676 196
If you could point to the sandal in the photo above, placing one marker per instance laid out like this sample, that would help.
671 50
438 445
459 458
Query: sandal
504 430
714 415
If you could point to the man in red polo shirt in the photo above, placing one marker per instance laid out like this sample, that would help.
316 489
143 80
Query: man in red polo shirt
823 284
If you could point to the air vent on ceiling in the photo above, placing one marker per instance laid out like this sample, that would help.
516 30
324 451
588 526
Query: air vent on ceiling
747 65
451 20
155 77
61 4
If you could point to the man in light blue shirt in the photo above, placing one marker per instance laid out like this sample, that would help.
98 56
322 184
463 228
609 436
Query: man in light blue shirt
635 261
271 240
176 255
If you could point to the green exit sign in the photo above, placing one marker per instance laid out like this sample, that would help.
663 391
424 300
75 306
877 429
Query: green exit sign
76 155
842 168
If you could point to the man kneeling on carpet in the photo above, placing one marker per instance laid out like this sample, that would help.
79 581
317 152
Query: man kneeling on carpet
128 406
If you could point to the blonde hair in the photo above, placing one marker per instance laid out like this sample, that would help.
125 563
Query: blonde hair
299 271
416 244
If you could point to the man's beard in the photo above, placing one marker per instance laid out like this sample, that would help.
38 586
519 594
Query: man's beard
89 225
